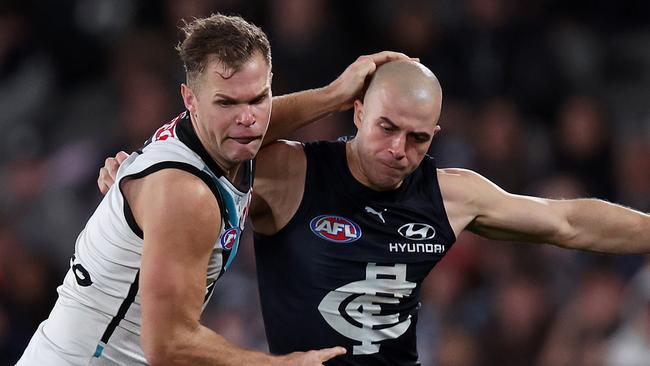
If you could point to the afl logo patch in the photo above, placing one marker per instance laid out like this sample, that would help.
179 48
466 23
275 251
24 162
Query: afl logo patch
417 231
335 228
229 238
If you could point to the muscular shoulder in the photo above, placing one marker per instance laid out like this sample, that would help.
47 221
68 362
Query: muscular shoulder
466 195
277 162
459 185
280 174
171 196
277 152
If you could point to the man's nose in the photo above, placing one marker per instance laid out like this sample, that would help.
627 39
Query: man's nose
246 117
398 147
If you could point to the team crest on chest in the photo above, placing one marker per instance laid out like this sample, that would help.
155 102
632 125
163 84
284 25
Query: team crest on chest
229 238
335 228
369 310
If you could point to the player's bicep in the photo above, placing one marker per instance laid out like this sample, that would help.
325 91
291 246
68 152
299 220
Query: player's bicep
280 172
504 216
180 221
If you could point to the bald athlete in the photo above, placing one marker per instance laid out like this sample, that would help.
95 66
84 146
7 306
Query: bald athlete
346 231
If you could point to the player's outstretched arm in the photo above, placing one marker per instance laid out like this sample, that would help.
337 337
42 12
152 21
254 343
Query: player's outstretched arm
180 219
295 110
587 224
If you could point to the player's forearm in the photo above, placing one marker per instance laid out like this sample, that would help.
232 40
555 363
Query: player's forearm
295 110
201 346
605 227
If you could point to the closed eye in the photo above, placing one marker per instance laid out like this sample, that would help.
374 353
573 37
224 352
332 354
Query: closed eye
421 137
225 102
387 127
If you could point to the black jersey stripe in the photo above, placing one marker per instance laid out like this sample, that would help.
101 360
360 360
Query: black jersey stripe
121 312
205 177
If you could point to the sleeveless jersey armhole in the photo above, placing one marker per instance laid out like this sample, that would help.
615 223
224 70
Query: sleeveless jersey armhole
438 196
128 213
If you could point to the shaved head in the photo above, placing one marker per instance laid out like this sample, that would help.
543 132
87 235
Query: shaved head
396 122
409 80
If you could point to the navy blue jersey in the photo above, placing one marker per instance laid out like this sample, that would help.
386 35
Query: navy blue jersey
347 268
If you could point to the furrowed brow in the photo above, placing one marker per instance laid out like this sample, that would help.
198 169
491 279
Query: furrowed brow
261 95
225 97
231 99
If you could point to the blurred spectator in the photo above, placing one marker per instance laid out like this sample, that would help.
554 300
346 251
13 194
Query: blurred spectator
521 308
142 73
501 144
302 31
27 292
630 345
453 147
582 325
584 146
457 348
632 167
27 83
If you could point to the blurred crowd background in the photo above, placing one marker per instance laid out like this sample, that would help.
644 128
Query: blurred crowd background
544 97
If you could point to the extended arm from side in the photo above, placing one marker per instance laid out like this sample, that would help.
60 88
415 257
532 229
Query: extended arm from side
587 224
180 219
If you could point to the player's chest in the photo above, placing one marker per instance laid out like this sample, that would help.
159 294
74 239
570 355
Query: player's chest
376 232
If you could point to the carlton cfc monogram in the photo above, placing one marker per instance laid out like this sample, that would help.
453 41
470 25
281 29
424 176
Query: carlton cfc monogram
355 310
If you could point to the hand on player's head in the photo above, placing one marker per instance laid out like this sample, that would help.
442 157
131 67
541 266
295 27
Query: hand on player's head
382 57
350 84
108 172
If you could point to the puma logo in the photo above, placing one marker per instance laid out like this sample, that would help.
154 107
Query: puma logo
372 211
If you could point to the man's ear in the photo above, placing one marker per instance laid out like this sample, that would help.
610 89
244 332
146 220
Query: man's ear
189 99
358 113
436 130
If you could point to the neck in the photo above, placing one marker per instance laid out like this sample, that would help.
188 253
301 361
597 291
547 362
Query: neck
352 158
230 173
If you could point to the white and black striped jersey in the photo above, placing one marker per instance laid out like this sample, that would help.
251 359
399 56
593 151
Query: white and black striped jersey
96 319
